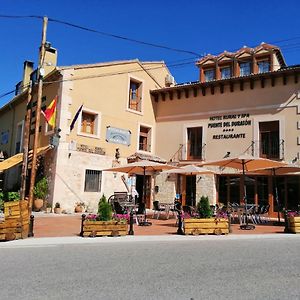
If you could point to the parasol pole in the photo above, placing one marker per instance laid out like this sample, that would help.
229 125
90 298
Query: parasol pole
245 226
276 195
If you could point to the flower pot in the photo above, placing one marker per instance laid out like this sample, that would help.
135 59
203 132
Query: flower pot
206 226
104 228
48 210
79 209
38 204
294 224
57 210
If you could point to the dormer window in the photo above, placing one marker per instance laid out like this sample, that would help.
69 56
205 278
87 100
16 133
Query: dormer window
245 68
135 95
209 75
263 66
225 73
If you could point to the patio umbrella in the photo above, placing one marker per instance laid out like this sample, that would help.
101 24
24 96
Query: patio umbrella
139 167
246 163
283 170
190 170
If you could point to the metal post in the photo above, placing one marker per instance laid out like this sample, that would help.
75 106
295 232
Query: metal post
179 230
131 232
286 222
31 223
37 113
82 220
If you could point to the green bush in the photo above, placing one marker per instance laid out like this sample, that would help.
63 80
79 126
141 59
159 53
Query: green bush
104 209
41 189
203 207
1 202
11 196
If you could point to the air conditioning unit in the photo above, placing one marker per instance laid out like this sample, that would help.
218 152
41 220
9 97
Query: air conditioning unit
169 80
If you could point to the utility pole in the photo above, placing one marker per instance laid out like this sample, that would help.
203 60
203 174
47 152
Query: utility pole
40 74
26 142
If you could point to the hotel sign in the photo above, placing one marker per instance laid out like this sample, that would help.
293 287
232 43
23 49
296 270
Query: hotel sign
118 136
226 125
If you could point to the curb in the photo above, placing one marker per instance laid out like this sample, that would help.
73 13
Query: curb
57 241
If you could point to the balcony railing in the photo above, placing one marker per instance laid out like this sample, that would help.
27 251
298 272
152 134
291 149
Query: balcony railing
196 153
274 149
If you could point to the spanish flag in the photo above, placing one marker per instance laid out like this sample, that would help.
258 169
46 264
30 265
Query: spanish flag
50 112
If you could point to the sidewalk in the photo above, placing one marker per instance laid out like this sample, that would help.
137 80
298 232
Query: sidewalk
53 225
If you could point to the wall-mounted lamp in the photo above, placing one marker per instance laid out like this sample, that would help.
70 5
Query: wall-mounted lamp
117 154
227 154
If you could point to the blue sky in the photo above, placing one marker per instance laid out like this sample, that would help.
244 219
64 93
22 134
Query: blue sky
199 26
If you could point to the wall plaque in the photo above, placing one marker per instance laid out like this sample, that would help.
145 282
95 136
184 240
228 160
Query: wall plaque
118 136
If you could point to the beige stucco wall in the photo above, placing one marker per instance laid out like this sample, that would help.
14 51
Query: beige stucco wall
261 104
280 102
107 95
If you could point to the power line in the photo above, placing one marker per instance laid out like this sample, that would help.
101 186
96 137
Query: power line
109 34
125 38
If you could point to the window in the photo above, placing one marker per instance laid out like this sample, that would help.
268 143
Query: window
135 96
209 75
225 73
194 145
245 68
269 139
88 123
19 138
145 139
92 181
263 66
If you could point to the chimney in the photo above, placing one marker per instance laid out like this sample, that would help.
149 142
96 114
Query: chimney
50 60
28 69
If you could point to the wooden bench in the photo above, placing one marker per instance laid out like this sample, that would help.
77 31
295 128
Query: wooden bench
16 223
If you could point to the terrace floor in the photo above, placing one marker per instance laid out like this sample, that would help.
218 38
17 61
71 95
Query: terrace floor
53 225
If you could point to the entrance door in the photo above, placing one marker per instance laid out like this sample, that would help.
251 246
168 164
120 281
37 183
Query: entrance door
140 189
190 190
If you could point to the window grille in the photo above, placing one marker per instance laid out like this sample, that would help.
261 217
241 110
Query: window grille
92 181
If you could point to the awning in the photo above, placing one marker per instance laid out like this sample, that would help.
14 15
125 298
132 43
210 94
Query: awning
18 158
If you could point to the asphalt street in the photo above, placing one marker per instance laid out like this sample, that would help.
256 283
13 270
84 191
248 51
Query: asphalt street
117 268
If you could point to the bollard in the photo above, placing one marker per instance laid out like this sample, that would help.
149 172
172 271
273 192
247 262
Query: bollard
131 232
179 230
229 222
286 223
82 220
31 223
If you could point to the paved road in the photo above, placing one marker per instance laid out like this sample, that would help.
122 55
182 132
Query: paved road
117 268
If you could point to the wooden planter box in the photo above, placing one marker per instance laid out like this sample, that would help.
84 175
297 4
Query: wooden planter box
16 223
104 228
206 226
294 224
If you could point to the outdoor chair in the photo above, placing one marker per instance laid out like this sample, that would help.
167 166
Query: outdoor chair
118 209
264 214
140 213
157 209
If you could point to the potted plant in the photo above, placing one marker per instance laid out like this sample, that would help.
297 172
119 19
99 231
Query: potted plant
79 207
57 208
48 207
40 192
203 222
103 223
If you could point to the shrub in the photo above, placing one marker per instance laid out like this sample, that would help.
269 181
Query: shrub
203 208
11 196
104 209
41 188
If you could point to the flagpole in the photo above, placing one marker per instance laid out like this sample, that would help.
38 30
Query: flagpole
37 113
